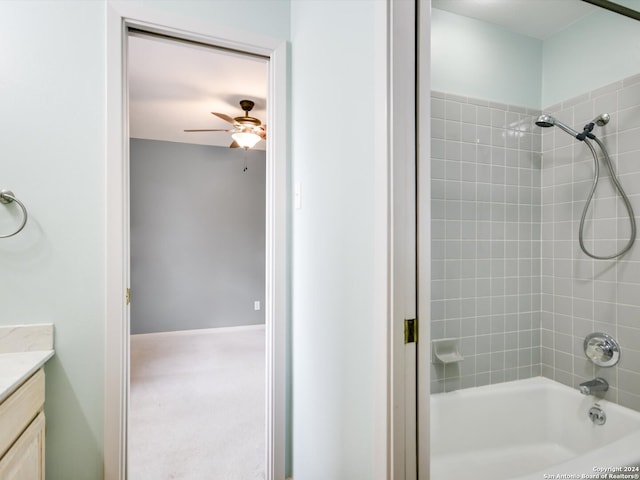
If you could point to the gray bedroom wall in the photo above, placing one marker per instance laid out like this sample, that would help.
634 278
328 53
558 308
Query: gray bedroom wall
197 236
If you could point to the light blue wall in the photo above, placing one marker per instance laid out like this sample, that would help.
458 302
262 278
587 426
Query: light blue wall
52 152
473 58
335 102
595 51
477 59
53 157
265 17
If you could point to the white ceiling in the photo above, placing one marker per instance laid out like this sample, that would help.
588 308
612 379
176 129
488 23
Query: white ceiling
534 18
175 85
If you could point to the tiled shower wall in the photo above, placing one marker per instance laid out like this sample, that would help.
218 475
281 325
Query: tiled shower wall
485 240
509 279
581 295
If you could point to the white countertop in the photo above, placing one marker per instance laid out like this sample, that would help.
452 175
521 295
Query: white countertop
15 368
23 350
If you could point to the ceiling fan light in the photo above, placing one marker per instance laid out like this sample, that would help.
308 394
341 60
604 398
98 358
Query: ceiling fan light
246 139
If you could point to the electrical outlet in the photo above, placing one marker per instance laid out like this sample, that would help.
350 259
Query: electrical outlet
256 305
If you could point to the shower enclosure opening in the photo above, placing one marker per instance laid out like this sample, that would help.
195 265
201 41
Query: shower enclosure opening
532 245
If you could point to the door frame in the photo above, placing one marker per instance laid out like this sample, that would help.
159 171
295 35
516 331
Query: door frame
402 124
423 239
120 17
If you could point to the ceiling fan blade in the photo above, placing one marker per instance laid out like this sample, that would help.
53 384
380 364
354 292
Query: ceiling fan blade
224 117
208 130
234 144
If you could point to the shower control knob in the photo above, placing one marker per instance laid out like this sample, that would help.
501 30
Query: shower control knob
602 349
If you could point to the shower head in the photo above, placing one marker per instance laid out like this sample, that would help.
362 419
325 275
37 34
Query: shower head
545 120
602 119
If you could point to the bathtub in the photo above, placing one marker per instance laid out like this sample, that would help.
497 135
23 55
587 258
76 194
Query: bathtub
534 429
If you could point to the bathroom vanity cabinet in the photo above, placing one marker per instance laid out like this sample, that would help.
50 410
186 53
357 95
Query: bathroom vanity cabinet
22 431
24 350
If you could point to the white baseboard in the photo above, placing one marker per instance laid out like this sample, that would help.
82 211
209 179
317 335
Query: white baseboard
199 331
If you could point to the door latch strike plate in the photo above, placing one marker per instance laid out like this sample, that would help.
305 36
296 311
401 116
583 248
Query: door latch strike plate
410 331
128 296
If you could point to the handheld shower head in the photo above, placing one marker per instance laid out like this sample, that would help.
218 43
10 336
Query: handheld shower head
545 120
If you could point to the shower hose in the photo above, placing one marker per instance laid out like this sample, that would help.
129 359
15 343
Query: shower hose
625 199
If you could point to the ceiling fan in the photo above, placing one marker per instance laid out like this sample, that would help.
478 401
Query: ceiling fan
246 131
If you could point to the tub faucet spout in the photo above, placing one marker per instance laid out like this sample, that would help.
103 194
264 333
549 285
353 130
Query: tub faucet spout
596 385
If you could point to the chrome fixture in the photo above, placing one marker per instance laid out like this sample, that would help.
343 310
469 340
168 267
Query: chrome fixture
602 349
598 384
549 121
597 415
601 120
6 197
545 121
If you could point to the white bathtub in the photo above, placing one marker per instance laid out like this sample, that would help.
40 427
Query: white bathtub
534 429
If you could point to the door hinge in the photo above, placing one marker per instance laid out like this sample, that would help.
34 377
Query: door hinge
128 296
410 330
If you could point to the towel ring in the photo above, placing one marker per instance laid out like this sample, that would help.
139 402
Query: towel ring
6 197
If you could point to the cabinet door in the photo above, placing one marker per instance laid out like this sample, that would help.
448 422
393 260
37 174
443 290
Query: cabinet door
25 459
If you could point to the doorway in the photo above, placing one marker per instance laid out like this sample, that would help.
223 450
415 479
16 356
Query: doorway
197 226
120 19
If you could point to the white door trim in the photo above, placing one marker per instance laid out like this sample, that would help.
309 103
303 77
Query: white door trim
423 196
403 258
121 16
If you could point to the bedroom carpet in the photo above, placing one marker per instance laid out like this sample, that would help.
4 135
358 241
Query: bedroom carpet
197 408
